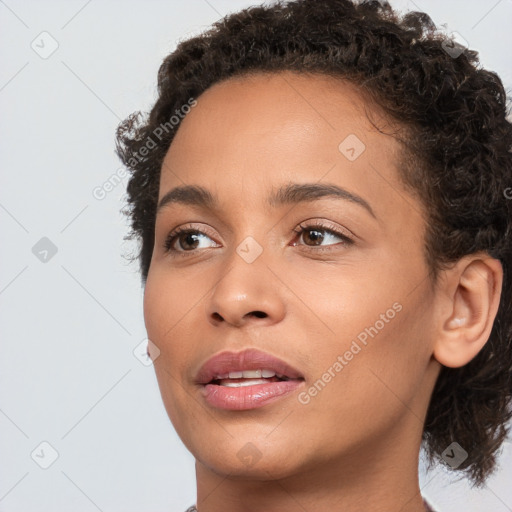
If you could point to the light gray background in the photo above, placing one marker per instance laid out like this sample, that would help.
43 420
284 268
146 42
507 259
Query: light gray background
68 374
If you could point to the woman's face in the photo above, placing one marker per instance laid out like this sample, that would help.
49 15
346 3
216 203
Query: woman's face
347 303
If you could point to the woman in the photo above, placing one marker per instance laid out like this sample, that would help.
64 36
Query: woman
322 196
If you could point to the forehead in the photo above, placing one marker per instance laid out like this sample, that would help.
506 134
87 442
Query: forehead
251 131
285 101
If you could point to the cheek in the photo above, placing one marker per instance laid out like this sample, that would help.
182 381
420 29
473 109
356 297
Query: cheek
167 302
339 302
360 389
165 308
370 333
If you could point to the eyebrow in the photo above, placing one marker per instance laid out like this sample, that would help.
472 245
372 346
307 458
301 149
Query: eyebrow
292 193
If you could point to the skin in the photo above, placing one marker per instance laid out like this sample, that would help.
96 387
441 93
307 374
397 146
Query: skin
354 446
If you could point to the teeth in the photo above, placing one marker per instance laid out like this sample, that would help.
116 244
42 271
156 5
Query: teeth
248 382
251 374
248 374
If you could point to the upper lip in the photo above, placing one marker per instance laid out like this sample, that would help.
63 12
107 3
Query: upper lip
250 359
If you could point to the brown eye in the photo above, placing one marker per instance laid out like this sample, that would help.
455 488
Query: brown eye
187 240
314 235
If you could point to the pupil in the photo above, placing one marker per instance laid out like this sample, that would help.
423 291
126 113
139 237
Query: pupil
318 235
188 237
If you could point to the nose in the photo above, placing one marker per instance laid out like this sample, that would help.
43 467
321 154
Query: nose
246 293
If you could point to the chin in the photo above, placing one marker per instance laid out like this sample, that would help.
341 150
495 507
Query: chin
261 469
241 459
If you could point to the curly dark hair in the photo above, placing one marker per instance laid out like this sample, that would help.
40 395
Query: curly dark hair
456 160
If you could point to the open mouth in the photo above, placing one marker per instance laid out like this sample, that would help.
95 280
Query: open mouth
248 378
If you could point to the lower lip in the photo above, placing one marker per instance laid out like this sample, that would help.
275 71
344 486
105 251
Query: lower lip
248 397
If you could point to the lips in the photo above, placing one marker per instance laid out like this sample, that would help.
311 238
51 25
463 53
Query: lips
249 361
247 380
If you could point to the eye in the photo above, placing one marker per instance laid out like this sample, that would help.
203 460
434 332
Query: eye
189 240
315 234
186 239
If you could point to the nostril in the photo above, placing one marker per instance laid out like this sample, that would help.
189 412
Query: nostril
258 314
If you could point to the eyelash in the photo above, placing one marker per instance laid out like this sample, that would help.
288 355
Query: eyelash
346 241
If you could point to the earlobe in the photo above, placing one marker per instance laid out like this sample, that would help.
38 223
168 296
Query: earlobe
471 294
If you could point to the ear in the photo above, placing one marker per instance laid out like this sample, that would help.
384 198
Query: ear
468 299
